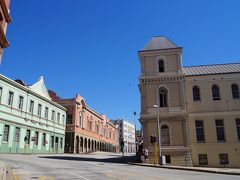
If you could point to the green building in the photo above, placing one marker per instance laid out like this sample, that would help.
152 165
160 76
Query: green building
30 122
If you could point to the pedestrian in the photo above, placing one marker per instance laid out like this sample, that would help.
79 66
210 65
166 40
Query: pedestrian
142 155
146 155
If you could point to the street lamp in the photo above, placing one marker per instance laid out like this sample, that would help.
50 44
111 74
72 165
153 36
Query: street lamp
135 138
159 135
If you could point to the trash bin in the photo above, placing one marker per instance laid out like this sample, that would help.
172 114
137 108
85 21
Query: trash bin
163 160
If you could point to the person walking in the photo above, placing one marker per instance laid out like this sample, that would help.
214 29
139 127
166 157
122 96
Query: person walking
146 155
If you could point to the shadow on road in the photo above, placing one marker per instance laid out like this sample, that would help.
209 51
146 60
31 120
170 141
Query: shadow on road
117 159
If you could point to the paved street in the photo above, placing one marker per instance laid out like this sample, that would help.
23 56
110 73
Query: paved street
100 166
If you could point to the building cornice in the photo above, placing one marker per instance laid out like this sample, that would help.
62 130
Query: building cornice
5 11
26 89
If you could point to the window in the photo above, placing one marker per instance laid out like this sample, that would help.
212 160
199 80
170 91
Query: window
161 66
235 91
80 118
44 139
17 135
61 143
97 128
163 97
52 141
196 93
46 112
165 139
223 158
58 117
6 133
20 104
31 107
215 92
10 98
53 115
220 130
27 137
1 89
238 128
199 131
63 119
36 138
69 118
39 110
89 124
202 159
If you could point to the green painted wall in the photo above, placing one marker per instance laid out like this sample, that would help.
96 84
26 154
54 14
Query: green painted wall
14 117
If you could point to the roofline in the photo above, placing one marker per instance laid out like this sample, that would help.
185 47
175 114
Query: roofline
28 90
166 38
209 65
212 74
160 49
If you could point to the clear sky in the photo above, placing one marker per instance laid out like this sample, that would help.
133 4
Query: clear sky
90 46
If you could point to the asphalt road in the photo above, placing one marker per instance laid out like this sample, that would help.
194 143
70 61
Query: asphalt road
100 166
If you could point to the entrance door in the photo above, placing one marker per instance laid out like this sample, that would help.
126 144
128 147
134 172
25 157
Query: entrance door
56 145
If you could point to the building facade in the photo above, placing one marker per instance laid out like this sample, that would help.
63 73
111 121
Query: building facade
86 130
198 107
30 122
127 135
4 20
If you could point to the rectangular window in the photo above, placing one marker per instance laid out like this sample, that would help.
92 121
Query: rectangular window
44 139
220 130
39 110
63 119
1 89
6 133
52 141
46 113
27 137
168 159
17 135
36 138
202 159
10 98
238 128
69 118
31 106
223 158
53 115
199 131
20 104
58 117
61 143
80 119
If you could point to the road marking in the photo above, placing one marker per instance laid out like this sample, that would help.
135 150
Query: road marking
79 176
15 177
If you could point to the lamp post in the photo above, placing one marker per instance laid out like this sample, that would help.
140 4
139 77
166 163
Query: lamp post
159 135
135 137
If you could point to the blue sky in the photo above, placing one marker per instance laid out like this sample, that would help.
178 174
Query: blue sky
90 46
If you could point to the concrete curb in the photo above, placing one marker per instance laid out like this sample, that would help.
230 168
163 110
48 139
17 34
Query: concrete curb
188 169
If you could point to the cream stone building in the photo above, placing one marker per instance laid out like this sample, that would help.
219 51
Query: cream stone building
198 107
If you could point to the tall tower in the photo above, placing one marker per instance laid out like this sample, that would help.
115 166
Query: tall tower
4 20
161 85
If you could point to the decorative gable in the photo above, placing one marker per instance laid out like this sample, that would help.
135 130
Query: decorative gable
40 88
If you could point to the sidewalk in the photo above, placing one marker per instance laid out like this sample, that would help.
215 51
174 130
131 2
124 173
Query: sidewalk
2 170
229 171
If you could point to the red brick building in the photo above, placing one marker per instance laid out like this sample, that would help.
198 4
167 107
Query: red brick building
4 20
87 130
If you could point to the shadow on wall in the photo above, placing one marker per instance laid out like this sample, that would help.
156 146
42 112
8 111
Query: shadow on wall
118 159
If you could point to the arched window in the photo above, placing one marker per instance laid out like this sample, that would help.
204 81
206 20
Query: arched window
196 93
235 91
165 138
216 92
163 97
161 66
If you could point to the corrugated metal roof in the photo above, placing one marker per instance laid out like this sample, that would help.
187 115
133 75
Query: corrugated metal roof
212 69
159 42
